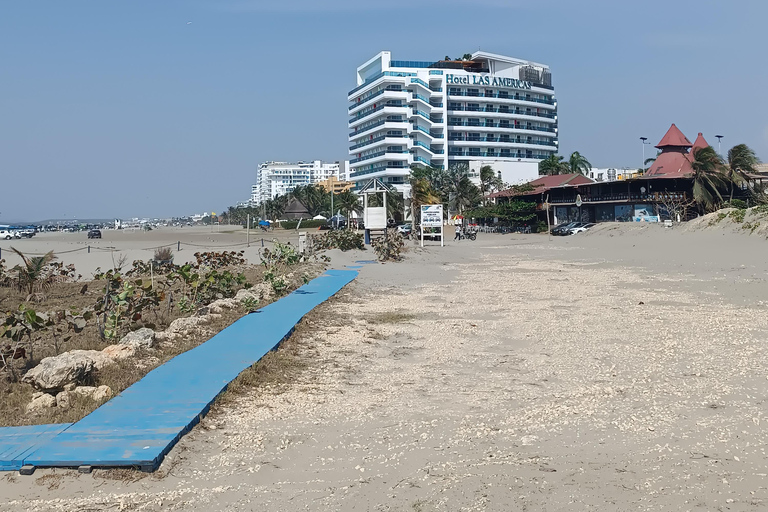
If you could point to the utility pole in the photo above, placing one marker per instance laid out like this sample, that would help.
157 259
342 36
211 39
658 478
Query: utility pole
718 137
642 141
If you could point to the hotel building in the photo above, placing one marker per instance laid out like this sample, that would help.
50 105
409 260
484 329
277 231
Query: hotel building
277 178
489 110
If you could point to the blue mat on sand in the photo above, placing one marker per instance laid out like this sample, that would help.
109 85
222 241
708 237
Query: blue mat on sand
139 426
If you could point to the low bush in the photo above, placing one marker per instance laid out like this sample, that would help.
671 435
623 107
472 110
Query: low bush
292 224
390 247
343 239
163 254
735 203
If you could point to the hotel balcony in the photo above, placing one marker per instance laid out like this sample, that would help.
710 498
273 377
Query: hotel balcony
387 124
462 110
470 125
382 96
380 140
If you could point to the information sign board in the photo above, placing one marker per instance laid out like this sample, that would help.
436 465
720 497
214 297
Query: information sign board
432 217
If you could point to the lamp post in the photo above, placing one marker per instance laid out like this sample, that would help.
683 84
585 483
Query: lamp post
642 141
718 137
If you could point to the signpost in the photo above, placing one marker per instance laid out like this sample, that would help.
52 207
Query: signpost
432 217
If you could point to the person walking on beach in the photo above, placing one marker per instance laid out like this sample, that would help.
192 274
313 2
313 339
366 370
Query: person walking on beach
458 233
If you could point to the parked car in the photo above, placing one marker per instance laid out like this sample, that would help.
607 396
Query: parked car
582 228
564 228
405 229
5 234
94 233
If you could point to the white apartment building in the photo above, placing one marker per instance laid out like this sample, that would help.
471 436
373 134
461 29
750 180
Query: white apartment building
277 178
489 110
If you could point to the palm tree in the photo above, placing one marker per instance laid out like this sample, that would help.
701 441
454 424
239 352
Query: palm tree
465 195
578 164
315 199
552 165
708 178
349 202
30 275
489 181
742 161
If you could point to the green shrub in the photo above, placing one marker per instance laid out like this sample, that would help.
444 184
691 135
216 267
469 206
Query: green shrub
292 224
343 239
735 203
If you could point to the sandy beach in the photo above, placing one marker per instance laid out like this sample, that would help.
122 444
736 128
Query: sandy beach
135 244
622 369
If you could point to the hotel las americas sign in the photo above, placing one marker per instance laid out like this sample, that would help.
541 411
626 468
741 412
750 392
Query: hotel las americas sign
487 80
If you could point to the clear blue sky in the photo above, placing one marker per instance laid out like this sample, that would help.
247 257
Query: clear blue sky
124 108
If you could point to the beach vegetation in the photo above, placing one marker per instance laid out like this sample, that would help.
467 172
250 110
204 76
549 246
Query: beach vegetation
556 164
490 182
741 162
389 247
33 274
342 239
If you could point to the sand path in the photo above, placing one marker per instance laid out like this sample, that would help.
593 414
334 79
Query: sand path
571 374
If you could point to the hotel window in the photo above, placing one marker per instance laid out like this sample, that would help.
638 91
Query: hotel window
489 93
473 92
453 91
503 94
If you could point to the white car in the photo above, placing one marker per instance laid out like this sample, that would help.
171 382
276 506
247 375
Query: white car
581 229
6 234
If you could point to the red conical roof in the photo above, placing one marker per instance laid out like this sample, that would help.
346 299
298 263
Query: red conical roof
674 139
699 143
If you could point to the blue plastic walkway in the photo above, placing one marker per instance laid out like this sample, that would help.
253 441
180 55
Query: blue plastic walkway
139 426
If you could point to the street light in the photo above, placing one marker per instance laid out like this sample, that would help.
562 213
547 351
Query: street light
642 141
718 137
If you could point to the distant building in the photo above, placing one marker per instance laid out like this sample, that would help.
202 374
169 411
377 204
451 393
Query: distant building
335 185
277 178
612 173
664 192
489 110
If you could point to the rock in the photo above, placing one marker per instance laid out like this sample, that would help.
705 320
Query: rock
37 394
258 292
118 352
43 401
70 386
63 400
98 394
102 393
85 390
218 306
53 373
182 326
143 337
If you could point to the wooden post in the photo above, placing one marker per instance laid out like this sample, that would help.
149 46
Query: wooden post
248 231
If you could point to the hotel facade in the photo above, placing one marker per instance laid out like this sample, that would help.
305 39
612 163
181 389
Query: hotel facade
488 110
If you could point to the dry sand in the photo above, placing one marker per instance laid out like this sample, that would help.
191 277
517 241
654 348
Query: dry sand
88 254
624 369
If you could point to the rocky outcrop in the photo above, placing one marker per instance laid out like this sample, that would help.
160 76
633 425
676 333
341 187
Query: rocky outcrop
96 393
53 373
118 352
40 401
64 400
144 338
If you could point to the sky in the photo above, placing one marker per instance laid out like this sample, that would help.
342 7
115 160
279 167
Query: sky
159 108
